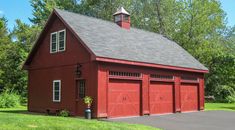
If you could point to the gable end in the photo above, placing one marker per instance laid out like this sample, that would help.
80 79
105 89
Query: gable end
43 33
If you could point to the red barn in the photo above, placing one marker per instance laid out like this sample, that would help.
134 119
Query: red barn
127 71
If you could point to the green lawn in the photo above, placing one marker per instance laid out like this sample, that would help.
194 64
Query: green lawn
20 119
220 106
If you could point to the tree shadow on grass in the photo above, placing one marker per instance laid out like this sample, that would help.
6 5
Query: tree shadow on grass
231 108
21 112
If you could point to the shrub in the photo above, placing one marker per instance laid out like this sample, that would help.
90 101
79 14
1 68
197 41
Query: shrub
225 94
23 101
64 113
230 99
8 100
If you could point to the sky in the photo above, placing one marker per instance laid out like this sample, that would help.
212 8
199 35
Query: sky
21 9
15 9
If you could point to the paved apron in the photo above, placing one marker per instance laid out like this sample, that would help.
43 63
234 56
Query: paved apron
205 120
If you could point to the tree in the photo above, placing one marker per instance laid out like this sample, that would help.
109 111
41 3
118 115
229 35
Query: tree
203 32
25 35
4 38
11 58
43 8
13 77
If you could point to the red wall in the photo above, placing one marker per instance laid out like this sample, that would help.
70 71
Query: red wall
46 67
103 84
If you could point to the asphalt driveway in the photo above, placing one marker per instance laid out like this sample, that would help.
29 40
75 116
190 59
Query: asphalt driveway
205 120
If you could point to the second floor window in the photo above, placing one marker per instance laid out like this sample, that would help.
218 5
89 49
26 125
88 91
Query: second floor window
61 40
58 41
53 42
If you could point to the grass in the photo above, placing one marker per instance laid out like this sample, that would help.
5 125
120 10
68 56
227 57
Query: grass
20 119
220 106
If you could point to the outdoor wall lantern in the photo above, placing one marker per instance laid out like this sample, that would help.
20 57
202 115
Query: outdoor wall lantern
78 72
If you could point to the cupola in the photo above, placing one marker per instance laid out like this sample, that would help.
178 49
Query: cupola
122 18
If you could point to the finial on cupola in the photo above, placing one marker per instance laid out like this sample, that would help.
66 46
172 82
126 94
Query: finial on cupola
122 18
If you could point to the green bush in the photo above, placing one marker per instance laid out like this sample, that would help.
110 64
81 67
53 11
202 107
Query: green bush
230 99
8 99
23 101
64 113
225 94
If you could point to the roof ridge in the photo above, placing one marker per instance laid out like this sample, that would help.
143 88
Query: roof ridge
92 17
96 18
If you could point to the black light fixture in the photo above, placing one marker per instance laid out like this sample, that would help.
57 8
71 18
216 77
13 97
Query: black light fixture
78 72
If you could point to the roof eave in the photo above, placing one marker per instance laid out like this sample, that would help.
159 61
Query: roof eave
120 61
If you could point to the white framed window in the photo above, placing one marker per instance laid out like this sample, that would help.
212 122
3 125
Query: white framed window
58 41
53 42
56 90
81 84
61 40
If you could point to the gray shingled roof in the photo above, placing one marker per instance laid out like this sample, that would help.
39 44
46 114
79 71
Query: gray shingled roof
107 39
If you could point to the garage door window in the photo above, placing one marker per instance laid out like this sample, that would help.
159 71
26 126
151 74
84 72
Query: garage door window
162 77
124 74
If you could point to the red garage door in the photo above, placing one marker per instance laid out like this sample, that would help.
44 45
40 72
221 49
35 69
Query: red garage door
161 98
123 98
189 97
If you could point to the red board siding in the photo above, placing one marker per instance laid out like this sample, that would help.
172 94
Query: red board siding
145 94
103 81
73 54
201 93
123 98
46 67
161 98
177 94
189 97
40 89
